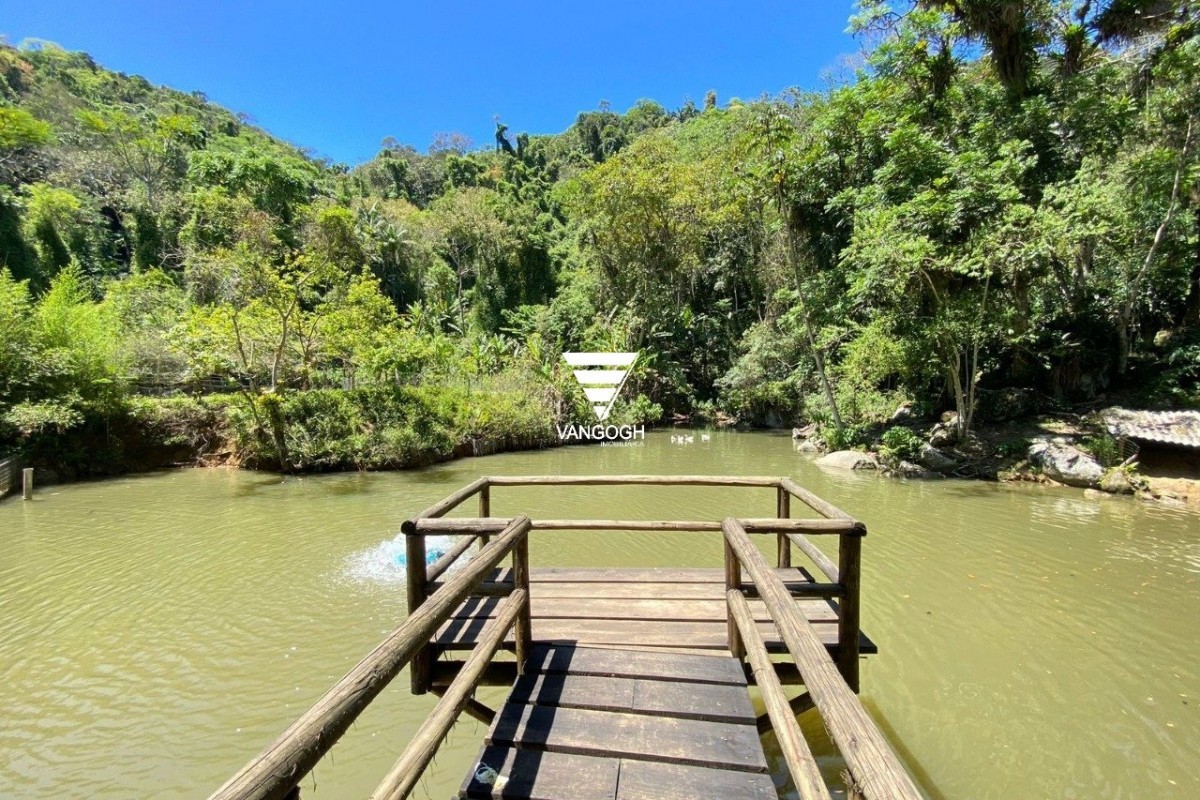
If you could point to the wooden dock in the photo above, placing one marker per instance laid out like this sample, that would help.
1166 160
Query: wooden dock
599 724
623 683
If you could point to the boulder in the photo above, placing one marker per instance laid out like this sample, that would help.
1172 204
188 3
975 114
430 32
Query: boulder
1116 481
901 414
1066 463
949 417
848 459
907 469
807 446
931 458
943 435
805 432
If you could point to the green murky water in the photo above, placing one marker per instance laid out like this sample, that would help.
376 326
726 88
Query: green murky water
157 631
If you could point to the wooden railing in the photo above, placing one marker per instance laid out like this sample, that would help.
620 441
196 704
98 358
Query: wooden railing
875 771
276 773
434 594
843 576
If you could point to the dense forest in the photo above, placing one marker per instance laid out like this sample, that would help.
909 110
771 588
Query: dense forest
997 206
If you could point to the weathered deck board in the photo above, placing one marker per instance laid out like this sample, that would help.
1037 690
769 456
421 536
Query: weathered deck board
637 736
538 775
648 780
647 575
462 634
680 609
710 702
662 666
585 724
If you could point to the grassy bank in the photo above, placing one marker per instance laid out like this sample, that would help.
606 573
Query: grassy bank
303 431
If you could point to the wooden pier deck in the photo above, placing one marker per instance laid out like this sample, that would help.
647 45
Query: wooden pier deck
680 610
601 724
630 683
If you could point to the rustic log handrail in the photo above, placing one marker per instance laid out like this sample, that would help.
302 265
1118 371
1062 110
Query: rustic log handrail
412 763
450 502
823 562
439 567
480 525
632 480
801 763
274 773
875 770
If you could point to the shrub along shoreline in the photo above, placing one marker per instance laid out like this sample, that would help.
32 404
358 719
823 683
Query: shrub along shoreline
320 430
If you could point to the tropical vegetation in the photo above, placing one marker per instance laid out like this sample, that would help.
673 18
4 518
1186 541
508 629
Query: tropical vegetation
996 195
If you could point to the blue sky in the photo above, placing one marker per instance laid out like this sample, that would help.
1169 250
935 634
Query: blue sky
340 76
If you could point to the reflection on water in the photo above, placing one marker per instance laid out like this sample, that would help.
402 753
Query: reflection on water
157 631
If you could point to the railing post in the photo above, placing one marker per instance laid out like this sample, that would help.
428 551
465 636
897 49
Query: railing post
523 629
783 510
485 510
733 582
417 584
849 573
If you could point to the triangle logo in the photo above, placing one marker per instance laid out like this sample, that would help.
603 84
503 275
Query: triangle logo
601 375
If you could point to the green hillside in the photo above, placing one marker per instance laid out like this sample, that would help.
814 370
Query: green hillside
997 206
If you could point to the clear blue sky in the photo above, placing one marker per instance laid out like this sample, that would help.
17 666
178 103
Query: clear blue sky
340 75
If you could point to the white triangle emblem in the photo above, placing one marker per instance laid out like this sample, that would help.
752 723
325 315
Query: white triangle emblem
601 375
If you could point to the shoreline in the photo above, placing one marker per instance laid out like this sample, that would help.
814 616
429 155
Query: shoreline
1177 492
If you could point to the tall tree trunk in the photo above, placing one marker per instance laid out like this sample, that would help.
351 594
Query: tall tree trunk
809 329
1191 308
1128 309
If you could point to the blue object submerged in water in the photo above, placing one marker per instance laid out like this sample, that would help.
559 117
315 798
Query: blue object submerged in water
435 548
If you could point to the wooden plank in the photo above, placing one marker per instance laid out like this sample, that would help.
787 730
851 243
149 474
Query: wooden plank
637 736
595 692
649 780
714 575
539 775
647 575
461 634
712 702
558 659
649 591
637 608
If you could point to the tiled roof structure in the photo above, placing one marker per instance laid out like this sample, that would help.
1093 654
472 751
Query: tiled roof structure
1180 428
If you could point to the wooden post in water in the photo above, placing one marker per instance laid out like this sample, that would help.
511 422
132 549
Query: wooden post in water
849 572
27 483
485 510
523 629
783 510
733 583
422 663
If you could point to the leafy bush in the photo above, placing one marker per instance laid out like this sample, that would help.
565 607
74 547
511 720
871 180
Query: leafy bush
901 444
1104 448
849 437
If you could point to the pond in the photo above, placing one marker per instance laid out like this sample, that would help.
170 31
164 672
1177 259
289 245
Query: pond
157 631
